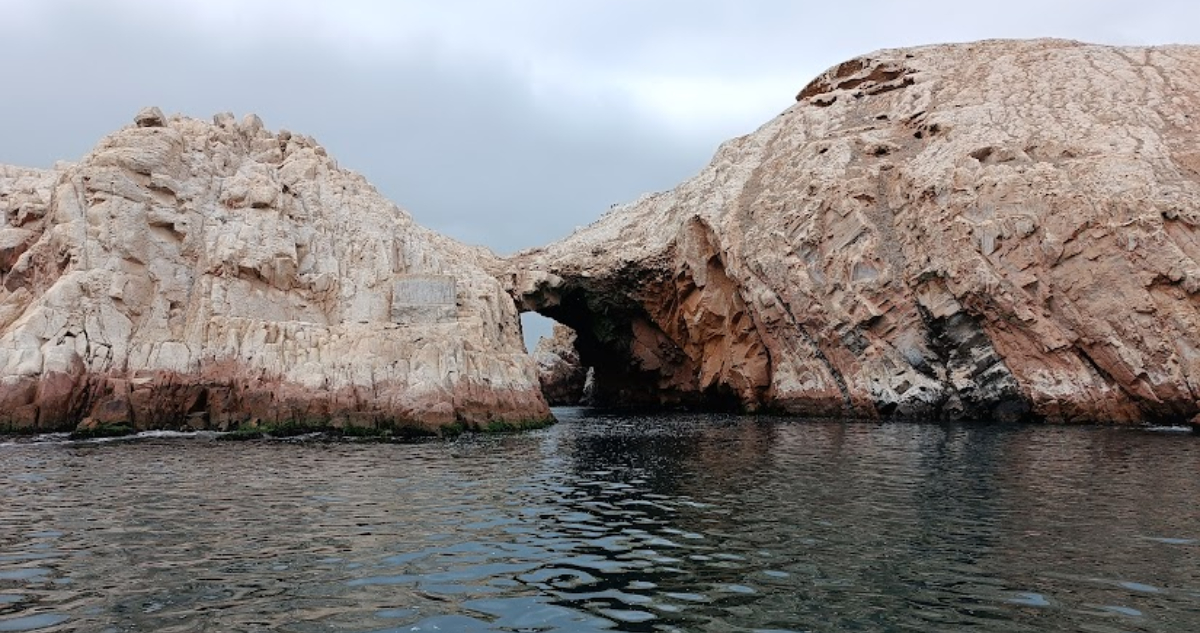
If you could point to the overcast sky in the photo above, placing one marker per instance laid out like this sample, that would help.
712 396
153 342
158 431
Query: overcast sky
502 123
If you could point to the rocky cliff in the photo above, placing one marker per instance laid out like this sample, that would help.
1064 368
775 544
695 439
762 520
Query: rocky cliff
188 273
1004 229
996 230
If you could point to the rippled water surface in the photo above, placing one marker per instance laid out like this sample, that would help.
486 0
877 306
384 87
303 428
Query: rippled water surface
609 523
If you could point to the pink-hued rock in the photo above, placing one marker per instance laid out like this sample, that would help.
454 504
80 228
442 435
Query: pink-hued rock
1003 229
199 274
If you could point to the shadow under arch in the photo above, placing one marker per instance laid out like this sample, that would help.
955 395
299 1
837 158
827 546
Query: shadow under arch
633 362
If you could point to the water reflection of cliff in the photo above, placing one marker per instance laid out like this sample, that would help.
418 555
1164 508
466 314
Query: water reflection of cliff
1104 521
924 526
613 522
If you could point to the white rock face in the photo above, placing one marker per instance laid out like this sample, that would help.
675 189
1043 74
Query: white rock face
207 274
998 229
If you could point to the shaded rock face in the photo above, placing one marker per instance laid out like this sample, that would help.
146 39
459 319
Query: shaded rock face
559 371
997 230
206 274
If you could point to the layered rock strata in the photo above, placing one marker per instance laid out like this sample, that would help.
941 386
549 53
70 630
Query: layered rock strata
997 230
198 274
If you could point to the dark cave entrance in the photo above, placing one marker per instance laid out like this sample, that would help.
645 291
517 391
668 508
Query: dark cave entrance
626 359
565 381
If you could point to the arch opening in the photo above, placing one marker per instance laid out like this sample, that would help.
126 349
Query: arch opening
624 359
562 375
666 331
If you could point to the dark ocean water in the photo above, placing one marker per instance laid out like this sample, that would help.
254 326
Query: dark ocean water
610 523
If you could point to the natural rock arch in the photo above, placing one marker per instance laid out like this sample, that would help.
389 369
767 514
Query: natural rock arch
673 331
963 231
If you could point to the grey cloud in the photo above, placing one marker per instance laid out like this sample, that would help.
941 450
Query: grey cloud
462 144
733 38
460 139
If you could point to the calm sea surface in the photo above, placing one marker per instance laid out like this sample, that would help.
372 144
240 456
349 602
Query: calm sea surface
609 523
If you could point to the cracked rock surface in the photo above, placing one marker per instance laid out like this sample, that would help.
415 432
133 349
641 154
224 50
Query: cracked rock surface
197 274
995 230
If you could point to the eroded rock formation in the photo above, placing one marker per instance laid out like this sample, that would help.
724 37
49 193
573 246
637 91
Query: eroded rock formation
199 274
997 230
1000 230
561 375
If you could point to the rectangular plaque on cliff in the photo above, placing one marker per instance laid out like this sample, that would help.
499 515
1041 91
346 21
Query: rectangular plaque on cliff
418 299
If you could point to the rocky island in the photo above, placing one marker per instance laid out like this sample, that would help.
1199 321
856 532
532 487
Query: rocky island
209 274
996 230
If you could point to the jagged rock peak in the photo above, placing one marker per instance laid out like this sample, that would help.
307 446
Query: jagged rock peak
997 229
150 117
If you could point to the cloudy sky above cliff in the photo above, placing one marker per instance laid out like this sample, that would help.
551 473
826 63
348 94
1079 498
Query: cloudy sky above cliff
500 123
